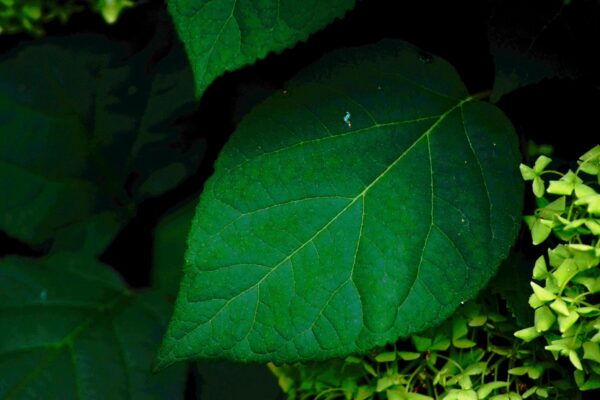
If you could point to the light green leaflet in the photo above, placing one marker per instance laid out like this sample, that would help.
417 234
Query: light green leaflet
71 330
316 239
224 35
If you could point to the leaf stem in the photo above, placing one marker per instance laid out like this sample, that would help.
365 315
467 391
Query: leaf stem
481 95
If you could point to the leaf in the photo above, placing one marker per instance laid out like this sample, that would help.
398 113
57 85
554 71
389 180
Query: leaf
90 236
169 246
227 380
224 35
520 59
70 329
512 283
217 380
516 69
314 239
87 129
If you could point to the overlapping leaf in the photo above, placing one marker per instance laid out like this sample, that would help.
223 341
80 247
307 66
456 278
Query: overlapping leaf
320 235
169 247
223 35
86 129
70 330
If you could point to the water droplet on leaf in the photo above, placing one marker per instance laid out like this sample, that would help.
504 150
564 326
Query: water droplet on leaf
348 119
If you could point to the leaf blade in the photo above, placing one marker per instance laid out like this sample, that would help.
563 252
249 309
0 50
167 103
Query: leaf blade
225 35
69 330
327 239
82 119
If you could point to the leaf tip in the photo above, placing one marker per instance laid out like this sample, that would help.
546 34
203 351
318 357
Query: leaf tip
162 359
160 364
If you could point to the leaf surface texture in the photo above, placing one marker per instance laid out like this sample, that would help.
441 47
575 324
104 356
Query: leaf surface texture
70 330
88 130
319 237
224 35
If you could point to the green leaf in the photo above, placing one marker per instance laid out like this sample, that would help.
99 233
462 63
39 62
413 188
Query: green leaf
88 129
565 272
90 236
538 187
408 355
487 388
169 247
560 307
540 229
515 69
227 380
565 185
540 271
541 163
316 239
70 329
574 358
224 35
527 173
386 357
544 319
564 323
528 334
590 161
550 210
543 294
512 283
591 351
110 9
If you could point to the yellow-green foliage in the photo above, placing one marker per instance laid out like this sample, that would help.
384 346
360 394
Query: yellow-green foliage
471 356
567 282
31 15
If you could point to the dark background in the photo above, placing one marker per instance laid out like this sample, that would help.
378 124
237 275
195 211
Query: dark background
561 111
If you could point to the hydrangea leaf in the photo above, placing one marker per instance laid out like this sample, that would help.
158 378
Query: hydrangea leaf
87 128
71 330
320 236
224 35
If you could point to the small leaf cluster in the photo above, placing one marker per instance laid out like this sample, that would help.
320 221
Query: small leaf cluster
30 15
471 356
565 284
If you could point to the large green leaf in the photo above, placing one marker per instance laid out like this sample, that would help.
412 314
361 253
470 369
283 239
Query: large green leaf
223 35
71 330
317 238
86 129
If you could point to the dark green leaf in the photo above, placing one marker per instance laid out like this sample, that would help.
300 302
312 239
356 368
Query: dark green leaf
520 57
90 236
318 238
86 129
227 380
512 283
224 35
71 330
169 247
515 70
